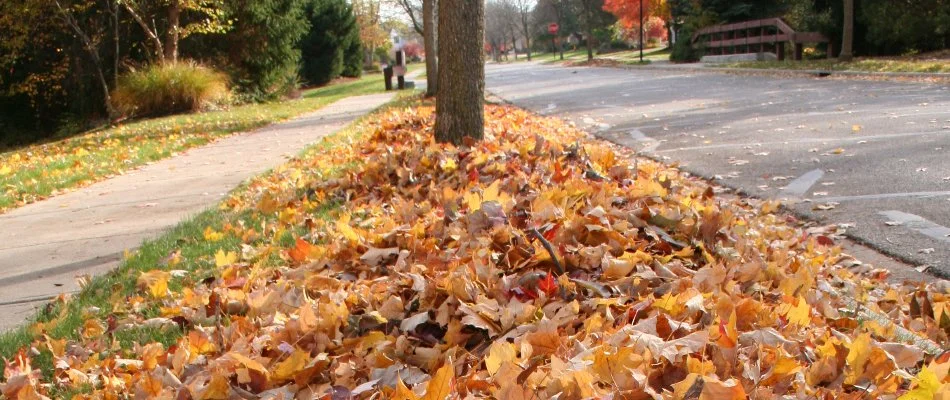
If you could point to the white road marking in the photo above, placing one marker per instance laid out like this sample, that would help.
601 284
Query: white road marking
807 140
650 144
919 224
800 186
886 196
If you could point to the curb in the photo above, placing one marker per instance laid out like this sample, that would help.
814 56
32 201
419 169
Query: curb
940 76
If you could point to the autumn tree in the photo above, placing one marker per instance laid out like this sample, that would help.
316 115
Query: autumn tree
634 14
369 20
523 9
206 17
460 104
496 28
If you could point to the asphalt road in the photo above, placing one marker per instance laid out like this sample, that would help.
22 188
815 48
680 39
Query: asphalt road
873 155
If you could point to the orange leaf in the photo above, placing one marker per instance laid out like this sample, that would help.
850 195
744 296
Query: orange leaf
440 387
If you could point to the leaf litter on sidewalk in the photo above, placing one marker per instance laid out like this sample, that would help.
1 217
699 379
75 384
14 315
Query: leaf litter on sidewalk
538 263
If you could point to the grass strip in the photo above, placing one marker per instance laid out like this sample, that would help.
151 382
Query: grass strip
860 65
36 172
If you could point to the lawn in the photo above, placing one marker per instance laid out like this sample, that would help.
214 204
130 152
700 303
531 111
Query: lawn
35 172
538 263
860 65
626 57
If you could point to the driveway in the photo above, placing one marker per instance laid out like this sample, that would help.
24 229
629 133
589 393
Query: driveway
873 156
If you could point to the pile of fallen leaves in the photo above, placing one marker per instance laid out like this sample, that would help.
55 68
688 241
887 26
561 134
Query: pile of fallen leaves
537 263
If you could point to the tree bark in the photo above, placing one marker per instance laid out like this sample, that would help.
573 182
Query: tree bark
847 38
174 28
525 14
460 105
114 9
431 42
589 23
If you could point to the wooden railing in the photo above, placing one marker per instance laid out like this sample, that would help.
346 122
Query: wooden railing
756 36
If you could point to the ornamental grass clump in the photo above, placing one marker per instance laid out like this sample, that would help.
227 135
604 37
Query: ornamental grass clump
169 89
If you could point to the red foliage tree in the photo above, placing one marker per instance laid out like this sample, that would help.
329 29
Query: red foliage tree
413 50
628 11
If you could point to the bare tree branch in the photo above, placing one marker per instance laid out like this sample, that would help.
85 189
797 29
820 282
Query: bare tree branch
151 33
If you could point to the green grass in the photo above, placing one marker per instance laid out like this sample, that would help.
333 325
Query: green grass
64 320
861 65
35 172
628 57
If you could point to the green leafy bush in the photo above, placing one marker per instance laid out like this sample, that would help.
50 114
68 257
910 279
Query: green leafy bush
168 89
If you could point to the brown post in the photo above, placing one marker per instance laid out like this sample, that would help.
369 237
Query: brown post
799 50
780 51
831 50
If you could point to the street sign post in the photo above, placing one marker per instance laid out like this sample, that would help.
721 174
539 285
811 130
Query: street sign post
553 29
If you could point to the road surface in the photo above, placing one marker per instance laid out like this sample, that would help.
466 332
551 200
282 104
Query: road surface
872 155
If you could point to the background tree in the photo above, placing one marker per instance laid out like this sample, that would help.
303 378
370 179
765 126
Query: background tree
847 37
526 21
90 36
202 16
460 104
431 41
562 13
261 53
372 35
497 23
592 18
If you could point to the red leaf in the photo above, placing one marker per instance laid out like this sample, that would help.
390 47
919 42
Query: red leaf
548 285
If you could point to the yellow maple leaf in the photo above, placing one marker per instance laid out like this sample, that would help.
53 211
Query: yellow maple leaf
92 328
223 259
343 225
499 353
156 282
211 235
858 354
440 386
798 314
926 386
5 170
296 362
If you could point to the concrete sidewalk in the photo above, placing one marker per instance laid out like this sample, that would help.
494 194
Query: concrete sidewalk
44 246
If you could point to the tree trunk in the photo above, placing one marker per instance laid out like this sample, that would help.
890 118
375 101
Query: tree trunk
431 44
847 38
174 27
590 30
459 107
93 52
514 47
527 32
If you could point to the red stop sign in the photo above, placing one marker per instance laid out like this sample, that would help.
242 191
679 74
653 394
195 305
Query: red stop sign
553 28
